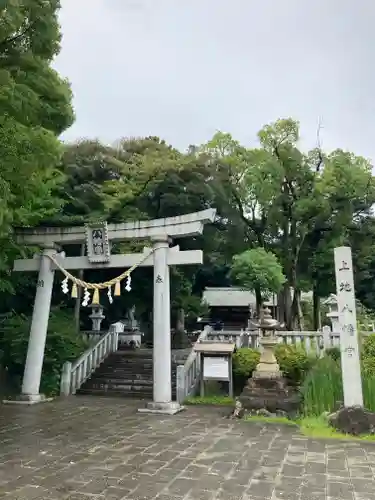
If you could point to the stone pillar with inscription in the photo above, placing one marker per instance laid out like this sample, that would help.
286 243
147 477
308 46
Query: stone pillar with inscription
350 360
38 332
162 388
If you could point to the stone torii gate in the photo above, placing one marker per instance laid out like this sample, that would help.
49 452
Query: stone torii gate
98 238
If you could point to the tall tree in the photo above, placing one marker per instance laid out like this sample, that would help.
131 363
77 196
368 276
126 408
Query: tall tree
287 199
35 107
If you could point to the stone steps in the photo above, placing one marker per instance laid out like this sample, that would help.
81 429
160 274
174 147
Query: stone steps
126 373
116 394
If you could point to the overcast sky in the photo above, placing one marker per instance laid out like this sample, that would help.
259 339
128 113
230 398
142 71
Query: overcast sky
184 69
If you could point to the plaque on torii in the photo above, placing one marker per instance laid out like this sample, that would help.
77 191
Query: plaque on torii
97 242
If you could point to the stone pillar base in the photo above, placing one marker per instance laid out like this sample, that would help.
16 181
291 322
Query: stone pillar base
270 393
162 408
27 399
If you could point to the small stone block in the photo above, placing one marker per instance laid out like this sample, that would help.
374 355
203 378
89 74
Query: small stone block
27 399
162 408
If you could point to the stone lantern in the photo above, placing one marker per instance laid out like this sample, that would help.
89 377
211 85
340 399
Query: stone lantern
333 313
96 316
267 366
267 391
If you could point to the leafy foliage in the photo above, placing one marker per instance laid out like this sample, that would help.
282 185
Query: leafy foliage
62 344
35 107
368 347
245 361
294 362
299 205
322 388
334 353
258 270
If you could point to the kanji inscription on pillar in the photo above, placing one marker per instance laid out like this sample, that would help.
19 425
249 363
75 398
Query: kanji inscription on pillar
350 364
97 241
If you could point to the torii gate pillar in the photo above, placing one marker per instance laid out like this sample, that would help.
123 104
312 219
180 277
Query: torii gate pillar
38 331
162 327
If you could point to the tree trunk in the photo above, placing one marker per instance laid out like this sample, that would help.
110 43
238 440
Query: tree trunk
77 307
180 321
258 299
317 320
180 339
287 296
280 309
295 304
297 314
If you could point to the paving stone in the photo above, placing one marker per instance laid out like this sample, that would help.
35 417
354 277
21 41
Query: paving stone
88 448
340 490
259 488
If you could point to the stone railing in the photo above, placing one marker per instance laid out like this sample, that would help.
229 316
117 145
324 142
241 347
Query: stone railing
312 341
92 336
125 337
188 374
75 374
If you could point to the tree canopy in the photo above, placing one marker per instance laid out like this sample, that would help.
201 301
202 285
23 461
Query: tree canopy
35 107
280 210
258 270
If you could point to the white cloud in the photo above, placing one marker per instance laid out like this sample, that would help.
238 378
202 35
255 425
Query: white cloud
181 70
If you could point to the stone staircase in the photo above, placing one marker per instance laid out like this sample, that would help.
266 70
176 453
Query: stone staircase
125 373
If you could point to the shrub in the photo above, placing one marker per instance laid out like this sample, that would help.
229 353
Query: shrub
245 361
368 366
334 353
294 362
368 347
62 344
322 388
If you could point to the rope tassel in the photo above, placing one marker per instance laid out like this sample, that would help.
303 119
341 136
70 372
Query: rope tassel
74 291
117 289
95 297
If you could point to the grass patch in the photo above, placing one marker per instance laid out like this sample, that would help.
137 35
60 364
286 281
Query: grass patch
270 420
313 427
210 400
318 427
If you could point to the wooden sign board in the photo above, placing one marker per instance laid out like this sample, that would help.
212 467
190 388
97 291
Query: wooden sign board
216 368
216 363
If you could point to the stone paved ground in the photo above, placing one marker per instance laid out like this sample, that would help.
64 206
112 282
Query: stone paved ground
85 448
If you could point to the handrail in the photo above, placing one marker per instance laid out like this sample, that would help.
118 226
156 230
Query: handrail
75 374
187 375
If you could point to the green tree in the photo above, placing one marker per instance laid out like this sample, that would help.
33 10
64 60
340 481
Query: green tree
259 271
35 107
290 202
362 241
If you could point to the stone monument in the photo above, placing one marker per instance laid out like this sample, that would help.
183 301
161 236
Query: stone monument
267 389
350 362
131 336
